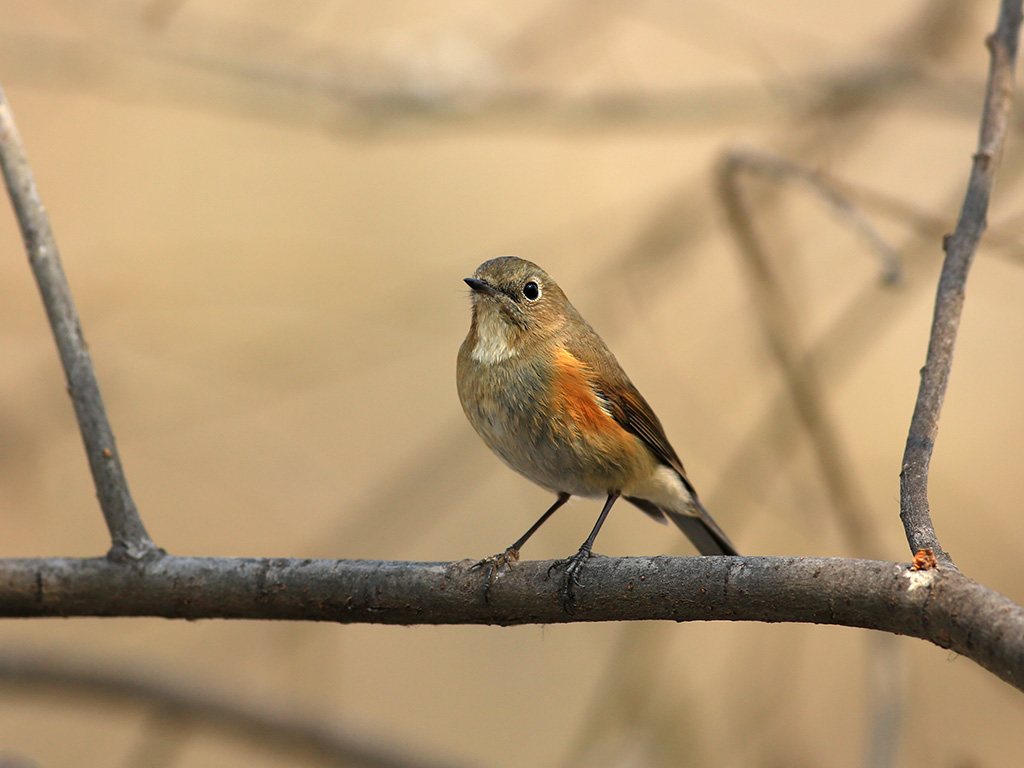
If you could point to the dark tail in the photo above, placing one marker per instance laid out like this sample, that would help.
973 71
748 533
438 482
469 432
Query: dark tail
699 527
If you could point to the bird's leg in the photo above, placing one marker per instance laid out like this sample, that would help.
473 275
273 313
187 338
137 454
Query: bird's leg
574 565
495 563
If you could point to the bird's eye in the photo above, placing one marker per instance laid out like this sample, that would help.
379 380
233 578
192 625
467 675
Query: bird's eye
531 291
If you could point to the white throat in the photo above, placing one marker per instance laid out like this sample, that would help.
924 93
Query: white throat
493 339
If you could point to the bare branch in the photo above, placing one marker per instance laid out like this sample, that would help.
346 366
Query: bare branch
182 707
808 396
1001 238
781 168
127 532
338 97
960 248
887 700
939 605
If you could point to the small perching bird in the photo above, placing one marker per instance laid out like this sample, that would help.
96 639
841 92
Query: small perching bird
549 398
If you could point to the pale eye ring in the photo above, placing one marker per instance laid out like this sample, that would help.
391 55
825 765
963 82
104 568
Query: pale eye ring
531 290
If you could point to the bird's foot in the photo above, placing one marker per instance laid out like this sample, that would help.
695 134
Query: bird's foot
573 567
495 564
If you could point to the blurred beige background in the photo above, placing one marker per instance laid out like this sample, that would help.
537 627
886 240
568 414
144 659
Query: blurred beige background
265 211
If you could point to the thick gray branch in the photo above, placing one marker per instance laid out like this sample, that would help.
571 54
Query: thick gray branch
960 248
940 605
127 532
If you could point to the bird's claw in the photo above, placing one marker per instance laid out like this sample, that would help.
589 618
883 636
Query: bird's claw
570 577
494 565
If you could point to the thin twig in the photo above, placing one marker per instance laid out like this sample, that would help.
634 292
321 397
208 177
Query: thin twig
960 248
181 708
783 169
127 532
841 345
808 395
802 380
337 96
1002 238
886 689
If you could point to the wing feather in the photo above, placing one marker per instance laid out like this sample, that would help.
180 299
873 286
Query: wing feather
630 410
623 400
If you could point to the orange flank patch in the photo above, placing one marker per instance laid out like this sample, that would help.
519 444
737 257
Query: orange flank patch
572 394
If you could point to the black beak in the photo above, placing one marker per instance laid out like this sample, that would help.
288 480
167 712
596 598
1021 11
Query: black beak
480 286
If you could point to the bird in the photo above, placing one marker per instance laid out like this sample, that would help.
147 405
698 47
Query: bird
549 398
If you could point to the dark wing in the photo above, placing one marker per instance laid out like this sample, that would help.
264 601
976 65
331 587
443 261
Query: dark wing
631 411
628 407
621 399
